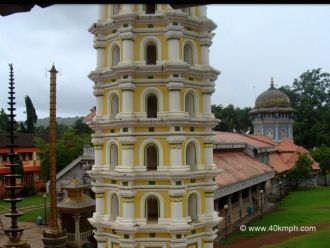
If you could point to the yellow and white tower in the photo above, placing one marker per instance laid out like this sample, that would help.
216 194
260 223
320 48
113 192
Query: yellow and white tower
154 176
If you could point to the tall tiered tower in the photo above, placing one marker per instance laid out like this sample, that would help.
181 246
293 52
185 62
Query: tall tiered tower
154 176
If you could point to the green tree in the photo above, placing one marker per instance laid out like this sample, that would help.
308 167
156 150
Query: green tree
232 119
80 127
310 96
322 156
69 146
31 115
4 124
302 169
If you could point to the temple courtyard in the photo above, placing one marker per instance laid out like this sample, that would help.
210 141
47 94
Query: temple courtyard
307 208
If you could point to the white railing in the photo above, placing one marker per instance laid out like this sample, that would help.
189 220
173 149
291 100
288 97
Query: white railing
88 151
83 236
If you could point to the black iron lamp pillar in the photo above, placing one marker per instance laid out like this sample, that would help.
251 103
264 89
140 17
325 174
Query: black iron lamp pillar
14 232
226 220
280 190
45 214
261 200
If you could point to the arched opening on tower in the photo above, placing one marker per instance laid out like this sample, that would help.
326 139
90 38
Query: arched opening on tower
150 8
192 207
114 106
191 156
152 210
188 54
151 157
152 106
151 54
190 104
114 211
113 155
115 58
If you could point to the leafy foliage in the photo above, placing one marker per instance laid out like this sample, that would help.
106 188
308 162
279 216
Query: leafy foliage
301 170
31 115
322 155
232 119
69 146
3 121
310 96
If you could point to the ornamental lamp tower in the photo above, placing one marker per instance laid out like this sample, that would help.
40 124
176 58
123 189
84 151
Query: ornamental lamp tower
153 176
53 236
14 232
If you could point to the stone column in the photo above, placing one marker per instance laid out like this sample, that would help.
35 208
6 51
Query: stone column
240 200
205 44
127 155
127 8
229 209
98 155
76 218
209 203
208 154
175 144
99 208
127 100
176 207
101 244
99 102
175 155
127 50
127 217
203 11
100 52
250 197
174 88
173 36
208 244
173 49
102 12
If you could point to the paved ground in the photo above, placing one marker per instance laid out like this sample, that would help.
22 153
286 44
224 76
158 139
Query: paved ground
32 232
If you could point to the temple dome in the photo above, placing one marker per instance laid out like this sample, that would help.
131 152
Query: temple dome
272 98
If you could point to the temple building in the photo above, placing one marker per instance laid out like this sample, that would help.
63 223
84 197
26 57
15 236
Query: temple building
273 115
28 153
154 176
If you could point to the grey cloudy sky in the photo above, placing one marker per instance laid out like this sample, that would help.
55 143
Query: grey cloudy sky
252 43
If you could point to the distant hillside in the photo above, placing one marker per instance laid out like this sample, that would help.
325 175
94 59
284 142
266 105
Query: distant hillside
65 120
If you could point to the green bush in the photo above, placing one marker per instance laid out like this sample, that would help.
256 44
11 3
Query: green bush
28 190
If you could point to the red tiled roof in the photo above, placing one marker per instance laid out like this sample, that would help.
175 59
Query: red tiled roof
286 145
227 137
263 138
277 163
237 166
89 117
283 159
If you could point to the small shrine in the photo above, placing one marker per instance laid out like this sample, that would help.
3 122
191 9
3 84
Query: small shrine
74 211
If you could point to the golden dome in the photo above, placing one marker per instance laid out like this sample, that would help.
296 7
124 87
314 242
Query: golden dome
272 98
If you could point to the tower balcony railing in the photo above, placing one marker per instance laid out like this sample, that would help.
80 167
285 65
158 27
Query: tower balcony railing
84 236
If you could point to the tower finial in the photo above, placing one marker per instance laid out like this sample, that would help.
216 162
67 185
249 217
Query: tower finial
271 82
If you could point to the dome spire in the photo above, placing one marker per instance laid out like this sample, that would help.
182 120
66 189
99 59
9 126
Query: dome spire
271 82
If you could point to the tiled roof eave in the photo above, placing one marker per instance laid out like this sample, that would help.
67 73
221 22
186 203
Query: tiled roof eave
232 188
